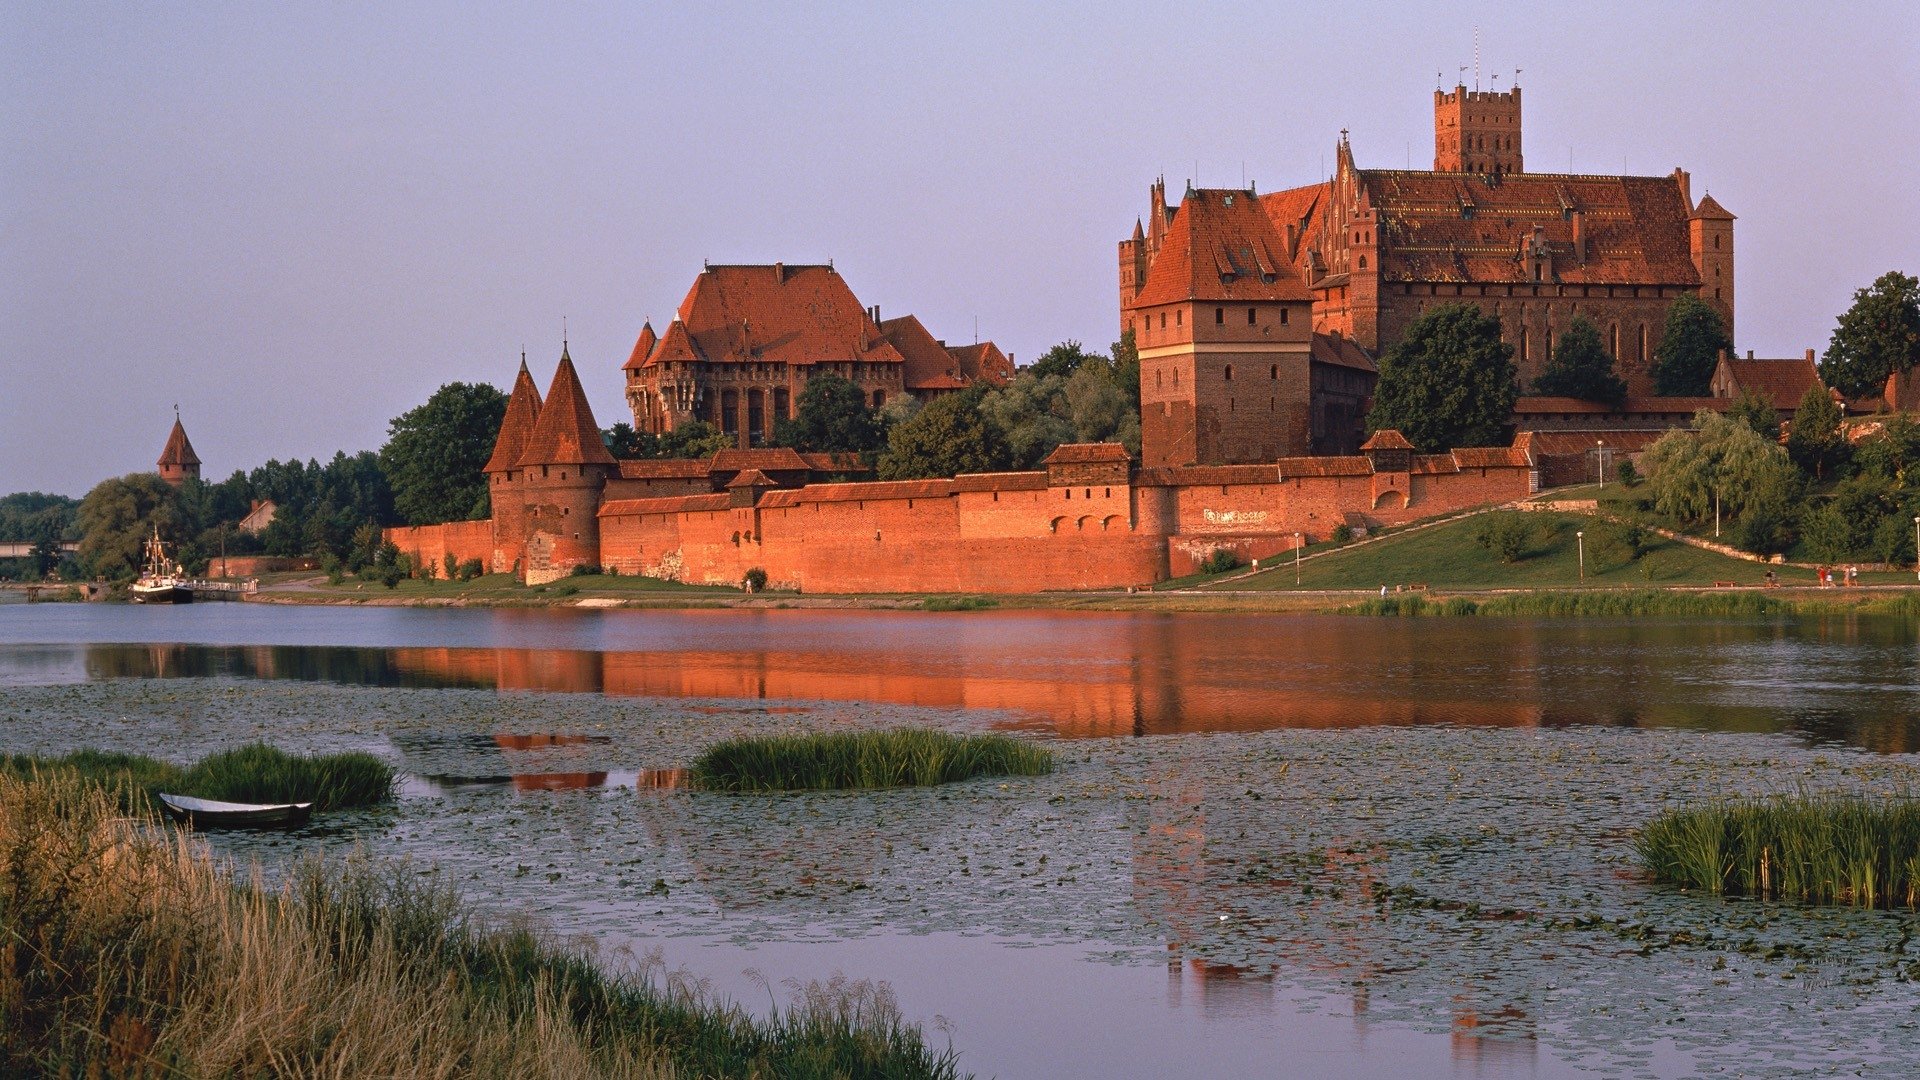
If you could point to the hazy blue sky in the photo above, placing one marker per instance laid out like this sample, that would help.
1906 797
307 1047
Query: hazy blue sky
297 220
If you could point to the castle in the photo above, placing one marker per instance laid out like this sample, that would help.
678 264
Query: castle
1091 518
1239 302
746 340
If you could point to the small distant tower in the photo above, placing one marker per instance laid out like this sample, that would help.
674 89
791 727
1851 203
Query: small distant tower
1476 131
1710 235
178 462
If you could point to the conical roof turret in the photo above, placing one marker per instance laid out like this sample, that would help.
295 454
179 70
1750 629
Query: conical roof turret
516 427
642 348
565 433
178 452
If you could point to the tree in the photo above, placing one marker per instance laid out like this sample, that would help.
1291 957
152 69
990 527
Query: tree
1878 336
1031 415
1581 368
694 439
115 520
435 452
1757 413
1449 382
1126 370
1721 463
1815 441
1690 348
948 437
1102 411
625 443
1064 359
831 416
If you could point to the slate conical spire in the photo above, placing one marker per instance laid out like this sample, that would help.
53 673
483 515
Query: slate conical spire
565 433
523 410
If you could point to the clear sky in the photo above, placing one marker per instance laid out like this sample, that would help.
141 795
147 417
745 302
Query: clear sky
297 220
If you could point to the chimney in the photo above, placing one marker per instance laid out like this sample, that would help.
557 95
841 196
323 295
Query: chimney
1809 356
1686 188
780 272
1749 354
1580 236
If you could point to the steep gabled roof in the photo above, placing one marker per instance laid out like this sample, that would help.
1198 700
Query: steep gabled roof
1466 228
928 364
1220 245
982 361
178 451
643 348
1711 210
1387 439
1341 351
1781 382
565 432
779 314
676 346
523 410
1299 207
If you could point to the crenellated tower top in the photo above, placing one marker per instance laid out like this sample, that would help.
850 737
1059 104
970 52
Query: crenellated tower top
1477 131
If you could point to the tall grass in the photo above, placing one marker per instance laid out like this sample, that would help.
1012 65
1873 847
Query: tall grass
1615 603
1821 849
257 773
125 951
899 757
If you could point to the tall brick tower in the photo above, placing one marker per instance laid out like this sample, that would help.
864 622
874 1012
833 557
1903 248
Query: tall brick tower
177 461
504 483
1710 240
562 472
1476 131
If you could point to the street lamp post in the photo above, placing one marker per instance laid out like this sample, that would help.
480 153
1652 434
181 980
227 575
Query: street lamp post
1297 545
1600 458
1916 547
1580 540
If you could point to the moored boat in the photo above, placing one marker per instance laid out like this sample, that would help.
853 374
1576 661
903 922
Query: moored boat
161 580
206 813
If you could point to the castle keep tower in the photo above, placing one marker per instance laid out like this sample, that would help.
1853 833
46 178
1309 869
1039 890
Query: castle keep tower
177 461
1476 131
1710 240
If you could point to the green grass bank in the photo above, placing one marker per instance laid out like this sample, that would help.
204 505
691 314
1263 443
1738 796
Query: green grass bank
898 757
131 954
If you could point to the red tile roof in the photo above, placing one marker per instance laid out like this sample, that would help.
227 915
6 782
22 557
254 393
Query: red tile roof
1001 481
1711 210
1487 457
1220 245
1530 404
840 462
1564 443
1466 228
774 313
1087 454
929 366
1299 207
565 432
887 489
1433 464
1781 382
664 469
178 450
1223 474
668 504
1387 439
1324 466
1341 351
769 459
983 361
643 348
523 409
751 478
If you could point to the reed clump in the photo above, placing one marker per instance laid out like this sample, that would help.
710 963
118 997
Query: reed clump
1819 849
129 952
256 773
897 757
1623 603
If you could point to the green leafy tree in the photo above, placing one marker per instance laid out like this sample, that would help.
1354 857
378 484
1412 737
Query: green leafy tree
1816 442
115 520
1450 381
1031 414
1101 410
898 409
831 416
948 437
1581 368
1063 360
1894 452
1126 369
1690 348
696 439
626 444
1878 336
434 454
1722 463
1757 413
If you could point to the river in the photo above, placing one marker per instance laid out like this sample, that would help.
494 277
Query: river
1276 845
